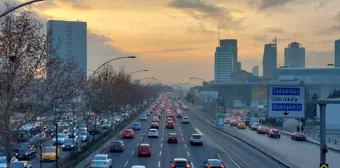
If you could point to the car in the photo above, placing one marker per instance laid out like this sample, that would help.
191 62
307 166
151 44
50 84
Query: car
117 146
154 125
26 152
233 123
136 126
128 133
84 136
172 138
210 163
185 120
137 166
144 118
180 162
196 139
254 126
153 133
298 136
170 125
60 138
49 154
261 130
241 125
273 133
155 119
144 149
147 112
101 160
185 107
69 144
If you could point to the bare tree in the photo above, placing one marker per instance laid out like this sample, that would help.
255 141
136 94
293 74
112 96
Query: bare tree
26 52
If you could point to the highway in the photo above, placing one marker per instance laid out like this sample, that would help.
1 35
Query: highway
234 153
304 154
36 162
301 153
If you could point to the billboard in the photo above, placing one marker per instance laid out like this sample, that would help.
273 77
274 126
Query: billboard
208 96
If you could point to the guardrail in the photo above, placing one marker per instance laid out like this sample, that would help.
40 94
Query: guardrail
313 135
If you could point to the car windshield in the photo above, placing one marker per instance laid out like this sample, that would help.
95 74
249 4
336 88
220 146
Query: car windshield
144 147
68 141
153 130
154 123
2 160
214 162
49 150
299 133
136 124
128 131
181 164
99 158
116 143
197 136
61 136
256 124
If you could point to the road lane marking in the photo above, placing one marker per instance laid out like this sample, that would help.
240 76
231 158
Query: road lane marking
159 163
192 165
161 144
137 144
132 152
183 139
162 139
185 145
188 153
181 134
160 153
126 163
141 138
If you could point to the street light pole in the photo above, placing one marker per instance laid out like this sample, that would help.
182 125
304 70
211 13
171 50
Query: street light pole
143 70
95 71
18 6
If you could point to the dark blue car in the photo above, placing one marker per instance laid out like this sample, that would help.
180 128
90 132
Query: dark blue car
136 126
26 153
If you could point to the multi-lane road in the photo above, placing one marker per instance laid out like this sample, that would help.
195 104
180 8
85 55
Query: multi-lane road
234 153
300 153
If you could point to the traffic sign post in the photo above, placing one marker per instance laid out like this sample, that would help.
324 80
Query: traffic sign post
286 101
220 120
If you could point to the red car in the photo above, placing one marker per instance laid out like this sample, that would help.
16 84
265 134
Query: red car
170 125
128 133
298 136
144 150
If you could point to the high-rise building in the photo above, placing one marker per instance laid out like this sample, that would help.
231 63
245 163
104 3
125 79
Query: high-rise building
232 44
255 70
70 38
294 56
223 63
337 53
269 62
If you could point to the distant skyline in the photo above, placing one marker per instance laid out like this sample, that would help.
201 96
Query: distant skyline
176 39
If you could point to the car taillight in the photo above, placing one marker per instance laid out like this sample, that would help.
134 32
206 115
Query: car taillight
105 162
121 146
201 139
188 166
176 139
221 166
209 167
92 162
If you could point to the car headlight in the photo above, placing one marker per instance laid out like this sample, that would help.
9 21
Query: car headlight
71 145
63 146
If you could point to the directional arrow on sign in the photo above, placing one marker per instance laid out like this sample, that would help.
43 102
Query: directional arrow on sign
285 113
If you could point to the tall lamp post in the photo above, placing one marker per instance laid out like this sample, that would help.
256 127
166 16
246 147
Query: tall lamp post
143 70
19 6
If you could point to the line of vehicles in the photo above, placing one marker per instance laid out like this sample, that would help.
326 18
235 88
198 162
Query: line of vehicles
165 106
236 121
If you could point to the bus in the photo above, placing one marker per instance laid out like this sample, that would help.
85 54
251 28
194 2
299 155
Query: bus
26 132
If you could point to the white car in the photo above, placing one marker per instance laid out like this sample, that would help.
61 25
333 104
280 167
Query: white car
147 112
144 117
138 166
185 107
101 160
153 133
185 120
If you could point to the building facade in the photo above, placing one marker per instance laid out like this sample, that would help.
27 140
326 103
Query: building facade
223 64
337 53
269 62
70 39
255 70
232 44
294 56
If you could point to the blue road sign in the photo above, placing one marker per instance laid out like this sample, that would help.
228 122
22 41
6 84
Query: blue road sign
220 120
287 101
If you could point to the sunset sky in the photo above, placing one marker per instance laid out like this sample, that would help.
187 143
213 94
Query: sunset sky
176 39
